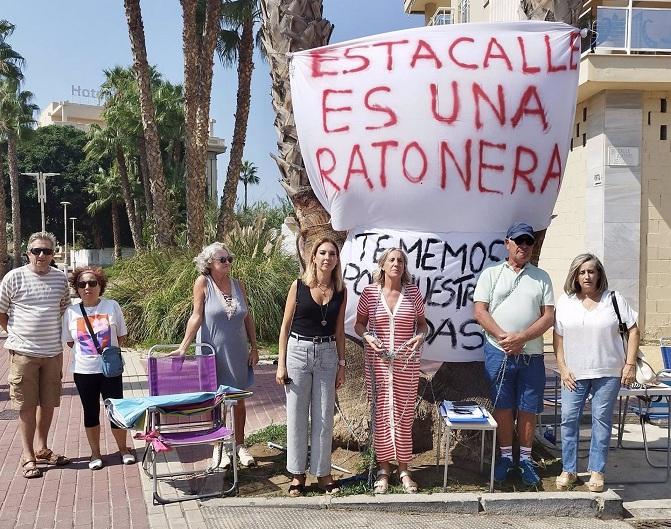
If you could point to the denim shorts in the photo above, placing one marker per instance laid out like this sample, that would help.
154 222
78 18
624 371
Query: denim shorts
520 384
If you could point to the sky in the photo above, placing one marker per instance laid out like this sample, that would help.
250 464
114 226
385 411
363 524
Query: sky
69 43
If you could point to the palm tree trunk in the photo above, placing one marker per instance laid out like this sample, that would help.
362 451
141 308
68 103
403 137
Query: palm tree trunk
245 69
128 199
198 68
280 36
3 222
16 205
116 230
245 184
144 172
165 230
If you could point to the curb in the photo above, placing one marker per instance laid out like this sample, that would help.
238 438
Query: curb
607 505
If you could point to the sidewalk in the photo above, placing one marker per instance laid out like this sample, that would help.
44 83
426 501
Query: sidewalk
70 496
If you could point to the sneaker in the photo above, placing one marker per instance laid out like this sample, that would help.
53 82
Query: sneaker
565 480
502 468
529 475
245 458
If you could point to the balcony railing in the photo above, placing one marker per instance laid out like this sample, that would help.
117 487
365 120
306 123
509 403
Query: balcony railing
635 30
441 17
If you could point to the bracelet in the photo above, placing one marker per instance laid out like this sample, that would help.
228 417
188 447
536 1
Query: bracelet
628 364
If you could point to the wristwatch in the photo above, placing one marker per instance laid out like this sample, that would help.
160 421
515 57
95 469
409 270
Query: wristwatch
342 362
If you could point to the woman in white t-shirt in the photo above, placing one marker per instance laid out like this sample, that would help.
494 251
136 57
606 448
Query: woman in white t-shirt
109 327
592 360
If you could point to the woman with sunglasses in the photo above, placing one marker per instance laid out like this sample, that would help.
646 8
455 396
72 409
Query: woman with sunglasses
221 318
107 322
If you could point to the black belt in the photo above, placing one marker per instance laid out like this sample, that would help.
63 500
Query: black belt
313 339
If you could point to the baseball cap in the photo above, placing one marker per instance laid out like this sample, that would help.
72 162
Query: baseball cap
520 228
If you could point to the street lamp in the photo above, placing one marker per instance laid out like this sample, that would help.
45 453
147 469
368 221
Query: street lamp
73 219
65 205
41 191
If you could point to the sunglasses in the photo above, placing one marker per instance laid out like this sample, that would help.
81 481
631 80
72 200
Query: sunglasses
523 239
38 251
222 260
92 283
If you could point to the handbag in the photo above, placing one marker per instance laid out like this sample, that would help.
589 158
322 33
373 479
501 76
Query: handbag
645 374
111 356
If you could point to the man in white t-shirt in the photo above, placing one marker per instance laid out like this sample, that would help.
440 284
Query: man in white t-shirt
32 300
514 304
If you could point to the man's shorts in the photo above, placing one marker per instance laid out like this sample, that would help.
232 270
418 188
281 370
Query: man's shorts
35 381
517 385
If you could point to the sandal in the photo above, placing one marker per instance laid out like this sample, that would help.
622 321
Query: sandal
409 485
30 472
96 463
381 485
297 489
48 456
332 487
596 482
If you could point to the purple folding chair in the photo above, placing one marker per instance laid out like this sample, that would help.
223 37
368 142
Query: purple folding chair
173 375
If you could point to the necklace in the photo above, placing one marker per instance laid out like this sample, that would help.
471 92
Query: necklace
323 309
228 301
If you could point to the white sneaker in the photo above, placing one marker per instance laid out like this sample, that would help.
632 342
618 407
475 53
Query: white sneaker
245 458
220 458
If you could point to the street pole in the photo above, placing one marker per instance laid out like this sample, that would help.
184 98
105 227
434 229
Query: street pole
65 205
73 219
42 191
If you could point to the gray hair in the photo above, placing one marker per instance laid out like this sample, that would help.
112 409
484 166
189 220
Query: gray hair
42 236
571 286
378 275
204 259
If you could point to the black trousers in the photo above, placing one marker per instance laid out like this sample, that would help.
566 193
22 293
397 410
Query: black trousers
93 386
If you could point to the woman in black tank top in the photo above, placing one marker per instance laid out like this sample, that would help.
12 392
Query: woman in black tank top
311 364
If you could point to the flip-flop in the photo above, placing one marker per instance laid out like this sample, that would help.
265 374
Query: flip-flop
48 456
30 472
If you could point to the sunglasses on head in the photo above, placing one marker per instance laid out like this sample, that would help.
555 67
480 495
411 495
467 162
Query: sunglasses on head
92 283
523 239
222 260
38 251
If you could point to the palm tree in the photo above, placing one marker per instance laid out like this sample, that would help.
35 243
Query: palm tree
108 142
200 30
236 44
291 26
10 61
3 221
562 10
107 190
248 176
16 121
165 230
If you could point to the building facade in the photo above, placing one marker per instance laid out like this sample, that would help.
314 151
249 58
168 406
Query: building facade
82 116
615 199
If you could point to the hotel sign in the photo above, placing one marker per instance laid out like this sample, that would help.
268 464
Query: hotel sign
91 93
623 156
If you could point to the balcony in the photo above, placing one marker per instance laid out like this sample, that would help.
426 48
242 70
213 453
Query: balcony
628 30
441 17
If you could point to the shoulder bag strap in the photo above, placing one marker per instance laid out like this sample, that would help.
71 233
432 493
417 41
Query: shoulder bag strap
90 328
621 326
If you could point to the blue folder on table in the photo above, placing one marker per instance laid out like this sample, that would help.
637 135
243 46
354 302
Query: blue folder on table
463 413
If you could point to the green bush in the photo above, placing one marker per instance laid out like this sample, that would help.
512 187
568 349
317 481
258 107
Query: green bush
155 288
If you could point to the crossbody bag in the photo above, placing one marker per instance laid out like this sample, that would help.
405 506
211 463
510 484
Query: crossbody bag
111 356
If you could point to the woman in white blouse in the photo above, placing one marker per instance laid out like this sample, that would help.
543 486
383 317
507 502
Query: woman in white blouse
592 360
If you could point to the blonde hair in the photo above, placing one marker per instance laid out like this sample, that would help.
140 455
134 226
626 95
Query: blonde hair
204 259
310 275
571 286
378 275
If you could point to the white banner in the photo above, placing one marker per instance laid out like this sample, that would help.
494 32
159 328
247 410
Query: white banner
445 266
453 128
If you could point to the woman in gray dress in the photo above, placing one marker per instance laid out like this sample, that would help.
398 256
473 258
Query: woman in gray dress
221 318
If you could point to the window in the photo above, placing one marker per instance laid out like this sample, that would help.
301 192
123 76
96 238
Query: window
662 106
662 132
464 10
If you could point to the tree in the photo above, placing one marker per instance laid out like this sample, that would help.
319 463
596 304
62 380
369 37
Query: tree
248 176
236 44
16 121
200 30
107 190
562 10
165 230
11 62
291 26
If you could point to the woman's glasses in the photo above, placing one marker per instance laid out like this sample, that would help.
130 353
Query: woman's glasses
222 260
92 283
45 251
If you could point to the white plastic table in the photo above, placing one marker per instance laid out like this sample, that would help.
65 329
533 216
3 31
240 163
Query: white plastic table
448 426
